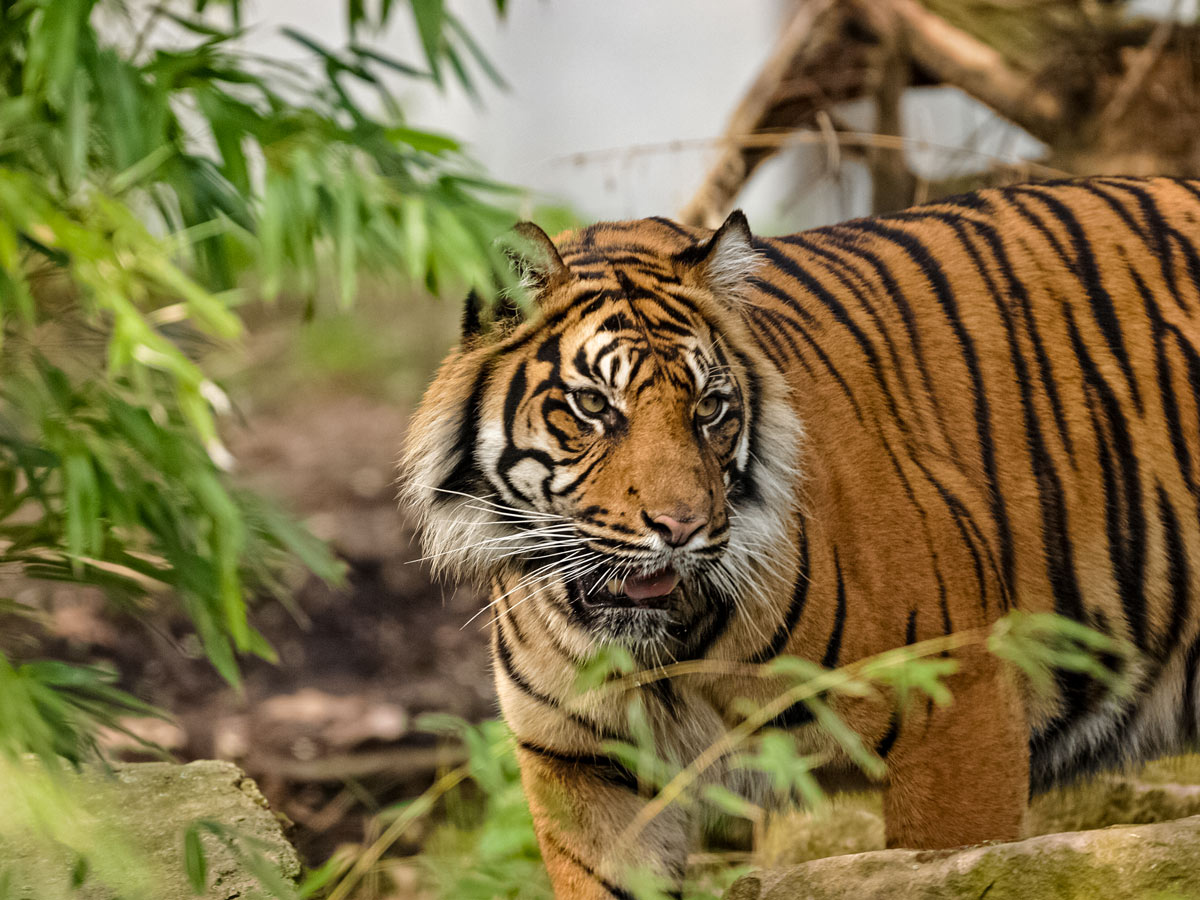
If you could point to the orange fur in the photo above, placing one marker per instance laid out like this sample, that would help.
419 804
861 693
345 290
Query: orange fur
929 419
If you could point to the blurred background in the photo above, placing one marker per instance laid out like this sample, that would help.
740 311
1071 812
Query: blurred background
234 238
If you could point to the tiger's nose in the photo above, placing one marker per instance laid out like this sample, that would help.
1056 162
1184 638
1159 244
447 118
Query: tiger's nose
677 532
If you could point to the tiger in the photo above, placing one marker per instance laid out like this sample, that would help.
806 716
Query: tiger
713 446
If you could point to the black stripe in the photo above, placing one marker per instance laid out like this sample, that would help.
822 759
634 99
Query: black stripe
931 547
1087 270
1125 518
787 266
1178 577
925 260
772 316
508 613
1074 687
1162 370
794 716
512 455
504 654
673 226
851 243
884 747
463 478
605 768
972 538
838 266
472 324
744 488
1017 291
833 647
1164 236
697 637
558 847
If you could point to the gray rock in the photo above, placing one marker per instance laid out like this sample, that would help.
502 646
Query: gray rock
1160 861
144 809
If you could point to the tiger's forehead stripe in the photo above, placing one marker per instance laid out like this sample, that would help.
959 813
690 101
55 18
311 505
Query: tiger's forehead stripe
667 345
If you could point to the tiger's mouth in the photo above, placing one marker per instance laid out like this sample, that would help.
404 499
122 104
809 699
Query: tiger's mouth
649 591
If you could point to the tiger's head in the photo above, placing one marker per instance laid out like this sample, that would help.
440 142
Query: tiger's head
624 458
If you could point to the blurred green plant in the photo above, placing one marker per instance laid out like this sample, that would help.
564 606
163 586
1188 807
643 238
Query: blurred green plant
154 172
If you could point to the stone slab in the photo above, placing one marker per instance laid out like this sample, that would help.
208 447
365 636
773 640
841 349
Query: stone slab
1139 861
146 809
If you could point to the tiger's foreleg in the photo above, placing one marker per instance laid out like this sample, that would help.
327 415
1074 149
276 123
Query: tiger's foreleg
582 809
959 774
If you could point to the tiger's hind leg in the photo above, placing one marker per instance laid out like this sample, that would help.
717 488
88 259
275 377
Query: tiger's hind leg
959 774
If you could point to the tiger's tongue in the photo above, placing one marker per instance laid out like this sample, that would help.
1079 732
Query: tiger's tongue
646 587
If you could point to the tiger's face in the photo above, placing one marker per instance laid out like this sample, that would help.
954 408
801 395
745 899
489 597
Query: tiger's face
623 440
600 462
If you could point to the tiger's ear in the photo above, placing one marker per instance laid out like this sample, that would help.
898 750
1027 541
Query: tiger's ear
479 319
535 258
724 262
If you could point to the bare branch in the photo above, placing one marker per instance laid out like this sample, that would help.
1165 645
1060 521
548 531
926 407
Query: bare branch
957 58
800 77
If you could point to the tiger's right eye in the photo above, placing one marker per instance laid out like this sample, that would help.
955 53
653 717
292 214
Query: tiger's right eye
591 402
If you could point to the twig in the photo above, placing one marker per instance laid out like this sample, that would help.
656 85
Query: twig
777 139
366 861
147 29
814 27
806 690
402 762
1141 67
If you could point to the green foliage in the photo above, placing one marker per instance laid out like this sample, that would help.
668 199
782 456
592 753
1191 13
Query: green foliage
154 172
486 848
484 845
250 853
1042 644
52 709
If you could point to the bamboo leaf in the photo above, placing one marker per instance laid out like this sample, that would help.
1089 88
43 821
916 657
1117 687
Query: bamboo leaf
195 861
428 16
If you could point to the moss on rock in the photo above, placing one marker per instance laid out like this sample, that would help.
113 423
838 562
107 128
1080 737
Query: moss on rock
1160 861
1072 859
144 809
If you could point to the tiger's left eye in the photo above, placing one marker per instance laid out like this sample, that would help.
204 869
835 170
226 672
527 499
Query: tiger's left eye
708 408
592 402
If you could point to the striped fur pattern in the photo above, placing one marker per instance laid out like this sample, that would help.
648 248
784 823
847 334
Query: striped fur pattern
888 430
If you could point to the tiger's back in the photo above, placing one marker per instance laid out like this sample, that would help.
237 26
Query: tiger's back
1002 390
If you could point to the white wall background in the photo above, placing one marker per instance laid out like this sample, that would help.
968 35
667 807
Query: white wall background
612 105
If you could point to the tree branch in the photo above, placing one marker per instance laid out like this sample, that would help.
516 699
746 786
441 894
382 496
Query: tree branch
802 75
957 58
